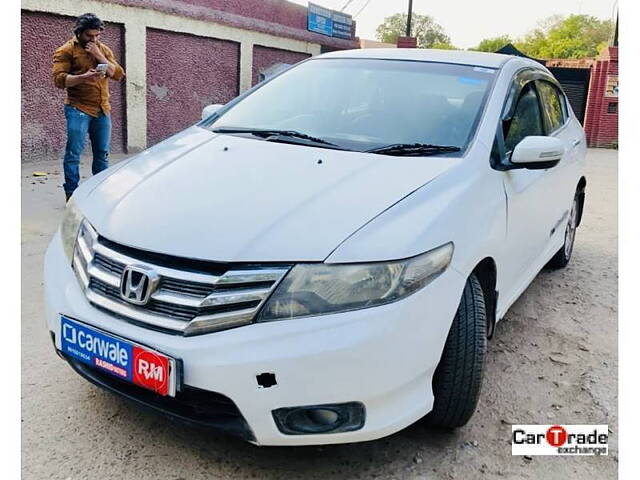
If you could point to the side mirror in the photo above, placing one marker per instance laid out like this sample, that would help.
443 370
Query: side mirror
537 152
210 110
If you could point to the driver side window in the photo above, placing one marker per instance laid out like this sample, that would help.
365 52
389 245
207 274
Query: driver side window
527 119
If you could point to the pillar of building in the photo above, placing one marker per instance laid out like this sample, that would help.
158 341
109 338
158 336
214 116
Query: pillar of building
601 119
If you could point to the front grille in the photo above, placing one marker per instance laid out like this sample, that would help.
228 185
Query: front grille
108 264
185 301
179 286
175 311
186 287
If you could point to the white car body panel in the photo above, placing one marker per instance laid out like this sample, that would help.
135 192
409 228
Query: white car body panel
480 59
360 354
221 198
236 205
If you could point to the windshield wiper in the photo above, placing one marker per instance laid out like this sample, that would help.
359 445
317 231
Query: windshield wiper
413 149
277 135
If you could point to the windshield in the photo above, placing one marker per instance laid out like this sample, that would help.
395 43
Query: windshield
363 104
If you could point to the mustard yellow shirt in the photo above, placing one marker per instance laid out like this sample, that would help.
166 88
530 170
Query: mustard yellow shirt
91 96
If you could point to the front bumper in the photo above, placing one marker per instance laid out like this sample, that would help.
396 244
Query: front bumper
383 357
192 406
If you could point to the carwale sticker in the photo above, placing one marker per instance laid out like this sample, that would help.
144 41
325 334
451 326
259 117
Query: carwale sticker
121 358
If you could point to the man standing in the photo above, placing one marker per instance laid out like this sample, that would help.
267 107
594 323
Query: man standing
83 66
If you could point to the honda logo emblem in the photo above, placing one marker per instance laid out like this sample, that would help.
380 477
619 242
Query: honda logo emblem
137 283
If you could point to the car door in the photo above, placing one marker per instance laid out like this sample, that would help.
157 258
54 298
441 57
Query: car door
560 179
529 200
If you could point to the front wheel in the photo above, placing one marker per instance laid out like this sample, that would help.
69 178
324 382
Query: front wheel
562 256
458 377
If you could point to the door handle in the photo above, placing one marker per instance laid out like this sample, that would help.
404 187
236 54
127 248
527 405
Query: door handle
576 143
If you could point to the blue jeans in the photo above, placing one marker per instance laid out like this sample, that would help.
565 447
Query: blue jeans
78 125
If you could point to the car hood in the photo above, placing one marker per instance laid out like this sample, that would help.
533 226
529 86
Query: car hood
232 199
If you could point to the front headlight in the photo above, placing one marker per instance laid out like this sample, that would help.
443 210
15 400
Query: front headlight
316 289
69 227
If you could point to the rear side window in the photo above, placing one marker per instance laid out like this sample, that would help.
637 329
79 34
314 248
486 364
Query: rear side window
552 105
526 121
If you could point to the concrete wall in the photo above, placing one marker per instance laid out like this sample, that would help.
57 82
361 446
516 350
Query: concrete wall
185 73
212 44
278 18
601 126
264 57
274 11
42 117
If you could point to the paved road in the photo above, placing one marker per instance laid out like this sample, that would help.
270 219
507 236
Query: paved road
553 360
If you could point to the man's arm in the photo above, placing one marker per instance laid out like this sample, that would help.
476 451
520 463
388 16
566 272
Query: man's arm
114 70
61 68
73 80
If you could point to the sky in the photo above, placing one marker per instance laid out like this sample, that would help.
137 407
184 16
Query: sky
467 22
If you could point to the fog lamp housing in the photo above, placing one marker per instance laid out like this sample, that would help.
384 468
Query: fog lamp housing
318 419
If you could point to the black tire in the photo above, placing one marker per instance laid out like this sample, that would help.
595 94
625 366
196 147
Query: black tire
458 377
562 256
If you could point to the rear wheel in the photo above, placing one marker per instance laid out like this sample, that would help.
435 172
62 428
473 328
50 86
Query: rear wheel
562 256
458 377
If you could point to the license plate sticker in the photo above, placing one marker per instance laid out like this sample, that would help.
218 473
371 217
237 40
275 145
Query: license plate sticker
121 358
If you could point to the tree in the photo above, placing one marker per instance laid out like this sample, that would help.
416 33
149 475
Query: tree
423 27
444 46
492 44
575 36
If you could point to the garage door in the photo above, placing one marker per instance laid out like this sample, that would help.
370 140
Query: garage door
575 83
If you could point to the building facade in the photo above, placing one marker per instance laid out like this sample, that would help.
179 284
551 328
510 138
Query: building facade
179 56
601 120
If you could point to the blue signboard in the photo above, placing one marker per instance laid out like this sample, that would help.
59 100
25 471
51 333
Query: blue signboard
329 22
342 25
320 20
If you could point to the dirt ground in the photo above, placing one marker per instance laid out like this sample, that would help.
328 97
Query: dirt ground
553 360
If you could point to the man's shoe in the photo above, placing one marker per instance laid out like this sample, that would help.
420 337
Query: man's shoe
68 196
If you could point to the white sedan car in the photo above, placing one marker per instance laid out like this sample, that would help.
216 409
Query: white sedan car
323 259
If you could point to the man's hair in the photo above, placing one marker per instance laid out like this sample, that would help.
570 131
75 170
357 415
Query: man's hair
87 21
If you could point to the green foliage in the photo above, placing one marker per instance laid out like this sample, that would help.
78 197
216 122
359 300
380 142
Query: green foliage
492 44
575 36
444 46
557 36
424 27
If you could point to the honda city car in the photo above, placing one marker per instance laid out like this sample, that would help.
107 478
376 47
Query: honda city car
324 258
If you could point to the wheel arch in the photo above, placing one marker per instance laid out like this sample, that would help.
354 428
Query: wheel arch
580 189
487 274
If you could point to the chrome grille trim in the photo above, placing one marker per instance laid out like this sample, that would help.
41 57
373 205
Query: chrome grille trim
162 271
134 313
80 270
84 250
185 302
104 276
93 235
250 276
220 321
231 297
177 298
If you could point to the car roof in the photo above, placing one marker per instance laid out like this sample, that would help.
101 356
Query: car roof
480 59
